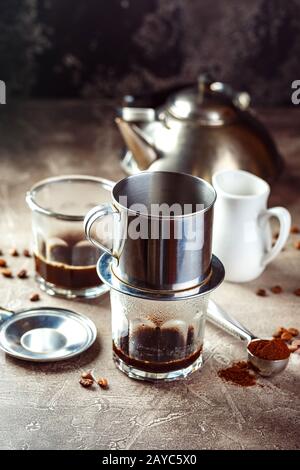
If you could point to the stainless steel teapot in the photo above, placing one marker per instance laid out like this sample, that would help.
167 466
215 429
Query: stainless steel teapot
198 130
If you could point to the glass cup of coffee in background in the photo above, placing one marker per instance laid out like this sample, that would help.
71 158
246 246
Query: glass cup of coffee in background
65 261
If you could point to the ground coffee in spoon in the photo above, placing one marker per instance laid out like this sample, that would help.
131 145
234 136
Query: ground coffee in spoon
272 350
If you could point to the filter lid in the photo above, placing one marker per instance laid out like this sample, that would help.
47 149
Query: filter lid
46 334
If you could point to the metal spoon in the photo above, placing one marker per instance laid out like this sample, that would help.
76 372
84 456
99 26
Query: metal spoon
266 367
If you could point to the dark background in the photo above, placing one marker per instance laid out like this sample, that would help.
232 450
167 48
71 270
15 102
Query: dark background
96 48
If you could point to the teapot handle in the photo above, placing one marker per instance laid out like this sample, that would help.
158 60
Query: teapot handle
240 99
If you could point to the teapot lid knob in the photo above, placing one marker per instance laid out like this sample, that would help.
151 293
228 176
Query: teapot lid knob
242 100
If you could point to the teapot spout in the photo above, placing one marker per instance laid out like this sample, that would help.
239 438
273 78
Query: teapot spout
138 143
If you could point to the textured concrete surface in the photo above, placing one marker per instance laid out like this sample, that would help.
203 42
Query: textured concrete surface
44 407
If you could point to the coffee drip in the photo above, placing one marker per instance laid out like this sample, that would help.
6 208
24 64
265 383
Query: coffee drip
155 349
159 285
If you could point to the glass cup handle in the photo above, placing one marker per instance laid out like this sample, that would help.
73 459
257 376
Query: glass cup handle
284 218
98 212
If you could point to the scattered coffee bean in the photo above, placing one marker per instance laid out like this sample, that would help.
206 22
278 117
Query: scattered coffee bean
295 229
87 379
86 382
22 274
102 382
261 292
286 336
3 263
276 289
278 332
293 331
297 245
87 375
34 297
6 273
26 253
239 373
13 252
295 346
297 292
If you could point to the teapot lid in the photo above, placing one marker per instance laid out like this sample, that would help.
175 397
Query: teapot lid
211 103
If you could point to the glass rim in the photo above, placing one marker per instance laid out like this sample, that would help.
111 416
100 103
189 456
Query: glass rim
251 176
32 192
162 217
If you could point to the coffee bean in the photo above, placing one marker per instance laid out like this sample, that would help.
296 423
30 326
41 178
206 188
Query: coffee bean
293 331
13 252
261 293
34 297
86 382
102 382
6 273
87 375
295 229
286 336
22 274
277 333
276 289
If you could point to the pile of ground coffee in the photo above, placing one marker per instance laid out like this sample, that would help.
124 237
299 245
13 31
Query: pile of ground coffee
239 373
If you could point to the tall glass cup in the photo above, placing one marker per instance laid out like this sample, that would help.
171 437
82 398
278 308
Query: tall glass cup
158 335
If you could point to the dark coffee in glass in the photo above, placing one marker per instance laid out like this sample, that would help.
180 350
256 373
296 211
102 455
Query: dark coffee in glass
65 261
